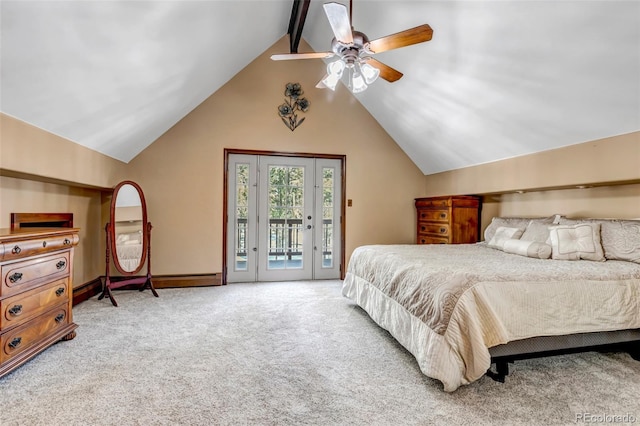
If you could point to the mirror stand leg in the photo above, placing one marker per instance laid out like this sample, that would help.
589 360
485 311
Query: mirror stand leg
110 295
153 290
149 284
107 292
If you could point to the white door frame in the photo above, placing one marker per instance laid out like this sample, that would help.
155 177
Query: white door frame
335 165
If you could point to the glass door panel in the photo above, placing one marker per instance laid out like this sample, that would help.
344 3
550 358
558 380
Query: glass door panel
286 203
286 191
327 253
241 218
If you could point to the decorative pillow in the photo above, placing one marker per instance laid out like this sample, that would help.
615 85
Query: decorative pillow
621 239
574 242
503 234
516 222
536 231
533 249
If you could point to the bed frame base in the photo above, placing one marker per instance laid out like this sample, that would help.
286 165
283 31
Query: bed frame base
502 371
620 341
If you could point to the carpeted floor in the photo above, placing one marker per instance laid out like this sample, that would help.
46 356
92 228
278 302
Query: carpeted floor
294 353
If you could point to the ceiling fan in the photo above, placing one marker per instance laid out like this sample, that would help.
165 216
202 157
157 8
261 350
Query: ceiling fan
354 51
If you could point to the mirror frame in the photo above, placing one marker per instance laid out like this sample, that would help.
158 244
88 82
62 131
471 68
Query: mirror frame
112 229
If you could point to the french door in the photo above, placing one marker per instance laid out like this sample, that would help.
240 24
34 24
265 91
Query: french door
283 218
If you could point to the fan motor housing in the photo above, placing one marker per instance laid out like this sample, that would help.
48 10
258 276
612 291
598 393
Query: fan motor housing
352 51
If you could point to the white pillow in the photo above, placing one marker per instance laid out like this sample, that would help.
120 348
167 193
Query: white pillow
574 242
536 231
621 239
528 248
504 233
516 222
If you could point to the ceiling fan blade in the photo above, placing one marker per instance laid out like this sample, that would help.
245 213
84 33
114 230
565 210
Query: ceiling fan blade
310 55
339 21
403 38
386 72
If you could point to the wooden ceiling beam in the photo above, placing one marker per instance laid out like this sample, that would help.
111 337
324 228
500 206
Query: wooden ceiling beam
296 23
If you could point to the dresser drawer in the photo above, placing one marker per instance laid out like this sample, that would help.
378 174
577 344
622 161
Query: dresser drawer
441 229
22 307
25 248
433 215
433 202
21 276
30 334
428 239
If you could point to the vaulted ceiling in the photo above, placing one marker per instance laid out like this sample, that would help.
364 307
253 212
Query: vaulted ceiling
499 79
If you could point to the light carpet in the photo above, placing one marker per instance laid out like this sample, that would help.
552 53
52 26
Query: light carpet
294 353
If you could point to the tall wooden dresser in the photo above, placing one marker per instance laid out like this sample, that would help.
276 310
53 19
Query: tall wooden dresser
35 293
448 220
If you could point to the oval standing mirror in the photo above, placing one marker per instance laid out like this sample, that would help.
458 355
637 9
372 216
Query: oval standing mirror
128 232
128 239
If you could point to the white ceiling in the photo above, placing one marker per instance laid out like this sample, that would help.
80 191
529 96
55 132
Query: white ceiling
499 79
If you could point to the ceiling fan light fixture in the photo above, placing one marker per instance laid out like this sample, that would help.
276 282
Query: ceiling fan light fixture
370 73
357 82
336 68
330 81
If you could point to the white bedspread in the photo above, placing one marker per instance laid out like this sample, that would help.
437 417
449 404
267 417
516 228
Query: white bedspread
447 304
129 255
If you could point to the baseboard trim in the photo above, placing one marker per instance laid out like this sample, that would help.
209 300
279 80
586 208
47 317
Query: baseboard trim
94 287
193 280
87 290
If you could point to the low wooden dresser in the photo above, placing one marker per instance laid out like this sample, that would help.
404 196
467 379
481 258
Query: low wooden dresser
36 292
448 220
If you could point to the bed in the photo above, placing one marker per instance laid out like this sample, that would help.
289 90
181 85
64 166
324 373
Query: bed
458 308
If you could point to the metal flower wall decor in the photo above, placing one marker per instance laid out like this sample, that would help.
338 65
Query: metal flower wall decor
288 111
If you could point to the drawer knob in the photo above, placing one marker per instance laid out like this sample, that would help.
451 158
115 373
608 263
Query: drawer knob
44 244
15 342
66 242
423 228
60 291
15 310
443 215
61 264
443 230
16 250
59 317
14 278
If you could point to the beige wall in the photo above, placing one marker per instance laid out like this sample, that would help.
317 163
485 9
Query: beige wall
605 202
42 172
614 159
28 150
182 172
540 176
28 196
